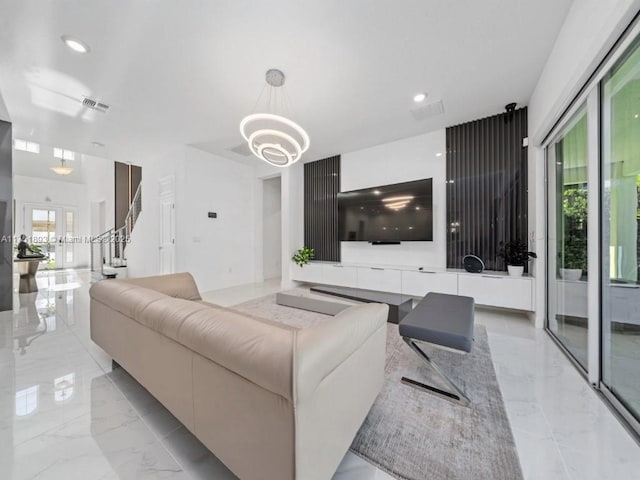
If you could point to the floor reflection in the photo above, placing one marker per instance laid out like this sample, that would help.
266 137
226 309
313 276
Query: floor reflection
29 325
144 425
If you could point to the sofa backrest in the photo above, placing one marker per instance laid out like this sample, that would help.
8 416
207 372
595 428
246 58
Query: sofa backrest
261 352
178 285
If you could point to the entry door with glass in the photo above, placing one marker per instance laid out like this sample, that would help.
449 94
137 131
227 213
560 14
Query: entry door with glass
53 230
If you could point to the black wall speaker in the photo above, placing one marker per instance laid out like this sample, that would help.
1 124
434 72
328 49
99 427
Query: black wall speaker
473 264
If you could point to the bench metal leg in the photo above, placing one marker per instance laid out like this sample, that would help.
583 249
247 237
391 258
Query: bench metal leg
456 395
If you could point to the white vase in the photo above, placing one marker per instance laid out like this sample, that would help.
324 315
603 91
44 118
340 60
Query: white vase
515 270
571 274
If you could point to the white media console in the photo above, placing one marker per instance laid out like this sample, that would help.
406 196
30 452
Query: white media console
492 289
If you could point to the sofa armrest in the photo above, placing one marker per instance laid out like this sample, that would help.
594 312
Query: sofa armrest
322 348
177 285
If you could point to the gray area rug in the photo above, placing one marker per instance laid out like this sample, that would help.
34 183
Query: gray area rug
413 435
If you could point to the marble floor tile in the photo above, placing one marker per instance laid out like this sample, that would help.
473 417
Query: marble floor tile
540 458
67 415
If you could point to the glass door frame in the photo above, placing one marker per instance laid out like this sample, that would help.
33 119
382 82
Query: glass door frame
591 94
589 101
626 42
61 215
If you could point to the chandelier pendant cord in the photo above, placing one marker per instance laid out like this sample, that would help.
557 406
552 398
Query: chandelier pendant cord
276 102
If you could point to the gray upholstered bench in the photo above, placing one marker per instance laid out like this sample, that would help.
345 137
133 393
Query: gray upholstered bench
443 321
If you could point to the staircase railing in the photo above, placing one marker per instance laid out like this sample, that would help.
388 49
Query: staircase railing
112 243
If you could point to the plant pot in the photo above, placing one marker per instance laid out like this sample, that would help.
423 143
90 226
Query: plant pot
515 270
572 274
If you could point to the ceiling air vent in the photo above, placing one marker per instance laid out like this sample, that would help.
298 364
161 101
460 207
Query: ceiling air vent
427 111
94 104
242 149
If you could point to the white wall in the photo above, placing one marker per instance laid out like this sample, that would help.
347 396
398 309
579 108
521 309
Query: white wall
142 253
401 161
589 31
47 193
217 252
98 176
272 228
292 218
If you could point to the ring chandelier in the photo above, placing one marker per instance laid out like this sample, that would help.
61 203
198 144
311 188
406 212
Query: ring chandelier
274 138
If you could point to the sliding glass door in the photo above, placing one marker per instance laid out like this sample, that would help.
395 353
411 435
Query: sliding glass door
620 109
567 275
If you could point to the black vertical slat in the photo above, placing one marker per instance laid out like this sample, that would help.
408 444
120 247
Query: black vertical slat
488 196
322 184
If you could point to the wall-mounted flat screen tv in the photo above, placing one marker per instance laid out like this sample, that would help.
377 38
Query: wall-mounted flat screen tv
401 212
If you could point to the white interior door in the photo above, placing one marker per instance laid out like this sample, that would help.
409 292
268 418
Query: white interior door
167 227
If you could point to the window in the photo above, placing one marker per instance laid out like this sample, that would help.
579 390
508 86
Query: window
27 400
63 154
25 146
64 387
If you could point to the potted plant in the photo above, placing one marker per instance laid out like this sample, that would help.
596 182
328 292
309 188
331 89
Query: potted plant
516 254
572 252
573 261
302 256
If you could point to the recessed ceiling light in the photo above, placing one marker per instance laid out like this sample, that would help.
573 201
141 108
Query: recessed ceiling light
75 44
376 192
439 154
97 144
419 97
636 116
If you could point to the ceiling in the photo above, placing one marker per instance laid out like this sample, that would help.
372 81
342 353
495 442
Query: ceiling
186 72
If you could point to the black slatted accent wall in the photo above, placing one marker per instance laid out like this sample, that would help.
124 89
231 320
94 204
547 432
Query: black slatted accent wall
486 187
321 187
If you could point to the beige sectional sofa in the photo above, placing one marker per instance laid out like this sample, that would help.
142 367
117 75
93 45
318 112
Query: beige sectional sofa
270 401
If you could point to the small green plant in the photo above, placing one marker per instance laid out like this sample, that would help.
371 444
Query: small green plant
33 248
303 256
515 253
572 249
